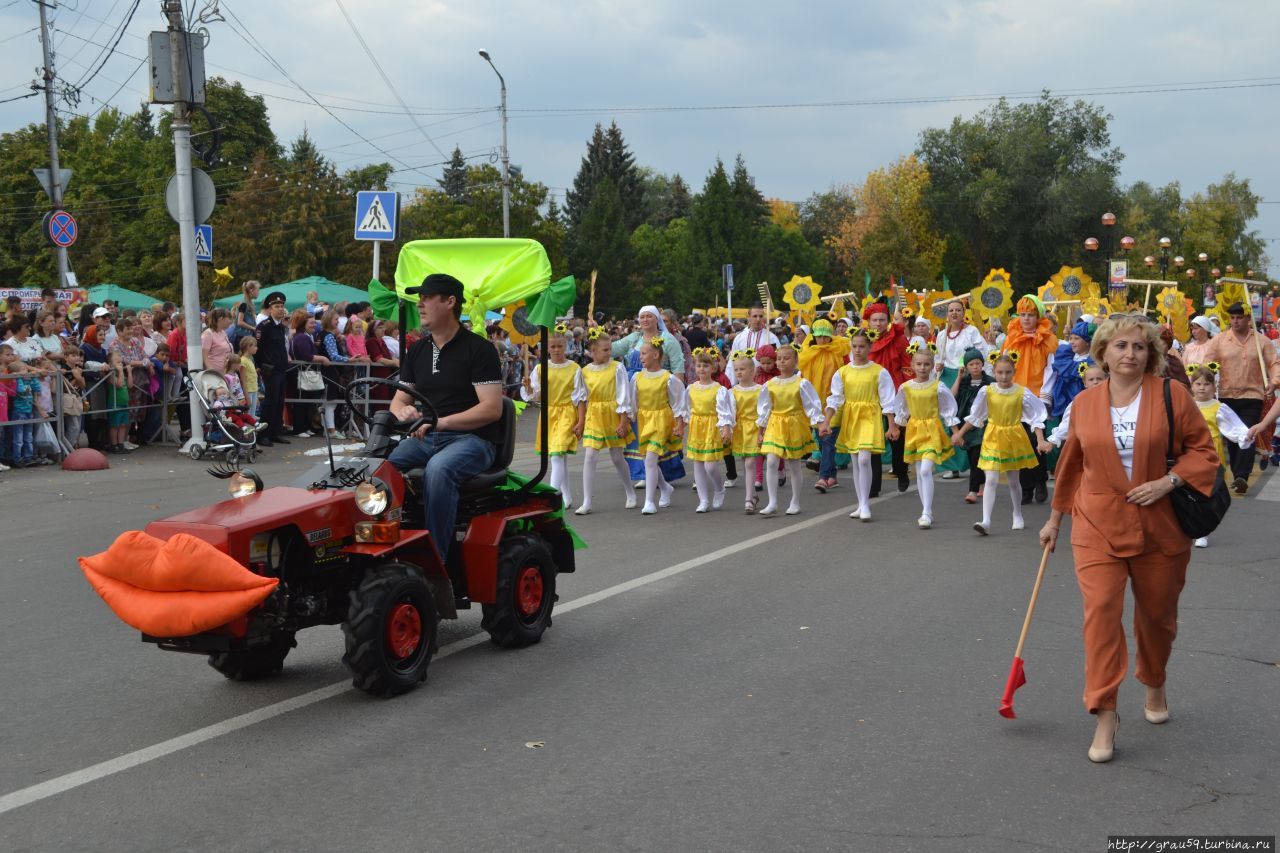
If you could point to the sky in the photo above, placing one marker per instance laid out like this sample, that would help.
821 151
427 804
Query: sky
1193 89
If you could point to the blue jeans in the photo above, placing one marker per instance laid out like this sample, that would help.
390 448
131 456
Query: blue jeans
827 455
446 459
22 441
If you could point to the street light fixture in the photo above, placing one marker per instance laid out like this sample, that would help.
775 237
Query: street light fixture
506 186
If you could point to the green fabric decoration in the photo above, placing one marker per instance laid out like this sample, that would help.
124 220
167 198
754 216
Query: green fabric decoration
386 306
517 481
553 302
494 272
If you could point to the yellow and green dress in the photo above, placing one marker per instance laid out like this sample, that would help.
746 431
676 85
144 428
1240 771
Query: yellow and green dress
926 409
1005 445
788 409
659 399
1224 423
860 395
608 396
745 431
710 408
565 391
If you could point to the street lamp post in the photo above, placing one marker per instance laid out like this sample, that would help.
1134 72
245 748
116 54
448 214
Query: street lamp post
506 184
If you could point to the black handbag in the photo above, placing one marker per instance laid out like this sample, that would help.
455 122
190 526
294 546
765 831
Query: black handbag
1198 515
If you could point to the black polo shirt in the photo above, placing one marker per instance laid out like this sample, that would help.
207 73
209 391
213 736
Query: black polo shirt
448 377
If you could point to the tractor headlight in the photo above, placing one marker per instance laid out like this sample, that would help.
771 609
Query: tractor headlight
371 498
244 483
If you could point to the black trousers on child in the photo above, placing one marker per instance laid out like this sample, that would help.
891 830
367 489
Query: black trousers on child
1250 412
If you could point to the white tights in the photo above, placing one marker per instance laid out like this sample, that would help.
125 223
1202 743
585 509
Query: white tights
862 479
560 478
749 466
589 473
924 484
771 483
709 477
989 495
654 484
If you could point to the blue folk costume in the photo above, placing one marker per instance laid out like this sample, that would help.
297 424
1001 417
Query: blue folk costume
670 463
1068 379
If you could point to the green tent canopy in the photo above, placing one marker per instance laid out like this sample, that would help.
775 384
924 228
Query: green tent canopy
122 296
295 293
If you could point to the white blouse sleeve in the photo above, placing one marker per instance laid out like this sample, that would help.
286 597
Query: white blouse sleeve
534 380
1059 434
677 398
1232 428
726 409
947 406
811 402
1033 411
580 392
1047 381
978 411
887 393
764 406
835 400
622 392
902 412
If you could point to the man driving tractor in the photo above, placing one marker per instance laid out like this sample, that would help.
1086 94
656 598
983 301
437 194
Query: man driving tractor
461 375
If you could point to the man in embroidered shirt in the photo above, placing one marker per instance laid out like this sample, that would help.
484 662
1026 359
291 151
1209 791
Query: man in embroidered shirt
460 374
1240 382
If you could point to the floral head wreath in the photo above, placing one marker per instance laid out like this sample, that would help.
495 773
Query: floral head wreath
872 334
1211 366
1013 356
993 356
908 313
656 341
561 328
914 348
708 351
742 353
595 333
1083 367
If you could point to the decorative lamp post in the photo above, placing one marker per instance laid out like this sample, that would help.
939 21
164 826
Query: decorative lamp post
1165 244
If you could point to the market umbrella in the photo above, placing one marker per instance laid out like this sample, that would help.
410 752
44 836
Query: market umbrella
122 296
295 293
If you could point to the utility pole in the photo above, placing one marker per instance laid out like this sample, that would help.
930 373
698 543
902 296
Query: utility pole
506 180
186 205
51 123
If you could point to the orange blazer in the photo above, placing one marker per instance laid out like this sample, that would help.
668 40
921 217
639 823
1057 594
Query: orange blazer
1091 484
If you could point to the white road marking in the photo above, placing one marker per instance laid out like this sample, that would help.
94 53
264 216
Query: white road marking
77 778
1271 491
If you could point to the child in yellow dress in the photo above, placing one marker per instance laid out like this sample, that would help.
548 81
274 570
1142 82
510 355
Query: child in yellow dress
786 413
566 402
862 393
1004 407
927 409
712 414
658 398
609 413
745 443
1222 420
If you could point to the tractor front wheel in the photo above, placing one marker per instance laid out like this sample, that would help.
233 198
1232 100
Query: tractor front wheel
526 592
390 630
258 662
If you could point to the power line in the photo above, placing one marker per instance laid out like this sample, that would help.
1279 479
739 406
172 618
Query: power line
386 79
84 81
19 97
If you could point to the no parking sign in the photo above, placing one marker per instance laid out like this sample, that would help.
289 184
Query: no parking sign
61 228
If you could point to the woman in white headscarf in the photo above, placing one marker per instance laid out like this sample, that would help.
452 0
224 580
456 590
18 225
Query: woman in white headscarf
1201 331
651 325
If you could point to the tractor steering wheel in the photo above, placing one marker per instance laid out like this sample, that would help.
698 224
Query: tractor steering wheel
428 418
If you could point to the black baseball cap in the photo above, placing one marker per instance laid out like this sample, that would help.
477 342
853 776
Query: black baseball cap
438 284
272 298
1236 309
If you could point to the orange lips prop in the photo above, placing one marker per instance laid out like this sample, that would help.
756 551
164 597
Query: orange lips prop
173 588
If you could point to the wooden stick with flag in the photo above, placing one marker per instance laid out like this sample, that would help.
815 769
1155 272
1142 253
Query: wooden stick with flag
1017 676
591 304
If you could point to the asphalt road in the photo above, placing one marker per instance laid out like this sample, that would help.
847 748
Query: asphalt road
716 682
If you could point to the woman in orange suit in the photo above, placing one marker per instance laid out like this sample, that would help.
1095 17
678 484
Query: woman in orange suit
1112 481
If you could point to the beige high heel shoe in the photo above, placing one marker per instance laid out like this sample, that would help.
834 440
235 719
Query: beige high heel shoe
1156 718
1101 755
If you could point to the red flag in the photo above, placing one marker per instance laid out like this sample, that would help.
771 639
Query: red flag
1017 678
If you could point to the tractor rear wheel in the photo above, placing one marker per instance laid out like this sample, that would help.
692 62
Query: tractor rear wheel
526 592
390 630
257 662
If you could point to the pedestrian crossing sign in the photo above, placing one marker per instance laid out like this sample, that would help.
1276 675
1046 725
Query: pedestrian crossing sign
377 214
204 243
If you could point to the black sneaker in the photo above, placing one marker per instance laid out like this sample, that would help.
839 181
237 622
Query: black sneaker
1042 492
903 484
1240 485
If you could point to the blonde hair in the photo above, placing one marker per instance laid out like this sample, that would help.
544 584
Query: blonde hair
1117 323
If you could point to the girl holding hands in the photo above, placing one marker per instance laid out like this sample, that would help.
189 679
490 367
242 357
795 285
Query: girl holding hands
786 413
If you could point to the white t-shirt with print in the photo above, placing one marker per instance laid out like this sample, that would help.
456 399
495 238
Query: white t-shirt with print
1124 427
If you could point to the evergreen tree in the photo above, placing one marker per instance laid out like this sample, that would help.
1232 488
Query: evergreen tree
143 124
593 168
454 180
602 242
607 156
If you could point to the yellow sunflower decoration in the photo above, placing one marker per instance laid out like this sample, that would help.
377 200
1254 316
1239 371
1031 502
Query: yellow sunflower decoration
1095 306
518 326
1229 293
1172 306
993 299
801 293
934 306
1070 283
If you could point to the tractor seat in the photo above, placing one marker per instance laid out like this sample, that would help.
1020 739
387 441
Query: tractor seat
496 474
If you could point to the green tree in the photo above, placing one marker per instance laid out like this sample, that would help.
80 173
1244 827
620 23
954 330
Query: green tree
1022 185
602 243
454 179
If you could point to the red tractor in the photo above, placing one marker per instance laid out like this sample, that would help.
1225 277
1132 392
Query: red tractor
347 545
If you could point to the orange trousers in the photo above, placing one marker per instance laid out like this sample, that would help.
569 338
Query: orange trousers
1157 582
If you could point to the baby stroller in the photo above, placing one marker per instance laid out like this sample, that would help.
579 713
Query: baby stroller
222 435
